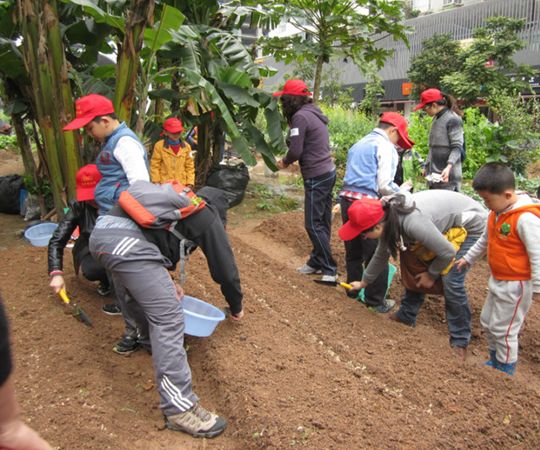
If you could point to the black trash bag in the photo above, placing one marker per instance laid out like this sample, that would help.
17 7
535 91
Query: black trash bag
233 179
10 191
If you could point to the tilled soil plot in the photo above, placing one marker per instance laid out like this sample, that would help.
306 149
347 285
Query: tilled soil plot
308 366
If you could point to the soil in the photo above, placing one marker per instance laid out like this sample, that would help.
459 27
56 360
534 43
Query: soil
307 367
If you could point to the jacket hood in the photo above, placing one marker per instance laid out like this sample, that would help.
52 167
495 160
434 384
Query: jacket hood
316 111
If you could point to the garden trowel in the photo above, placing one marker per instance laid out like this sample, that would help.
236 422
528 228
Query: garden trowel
76 310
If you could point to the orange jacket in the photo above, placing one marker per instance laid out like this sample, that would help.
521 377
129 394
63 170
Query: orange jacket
507 255
166 166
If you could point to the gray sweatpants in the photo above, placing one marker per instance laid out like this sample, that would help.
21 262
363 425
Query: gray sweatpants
147 298
502 316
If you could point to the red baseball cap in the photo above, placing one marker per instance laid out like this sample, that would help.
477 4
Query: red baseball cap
294 87
173 125
396 119
88 107
363 215
86 181
428 96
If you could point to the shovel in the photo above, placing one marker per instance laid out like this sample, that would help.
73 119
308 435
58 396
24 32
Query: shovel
76 310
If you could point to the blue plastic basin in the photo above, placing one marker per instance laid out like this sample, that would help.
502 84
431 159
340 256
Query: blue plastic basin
201 318
40 234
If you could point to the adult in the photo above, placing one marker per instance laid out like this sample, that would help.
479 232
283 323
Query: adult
122 159
443 164
5 128
138 259
82 214
415 223
370 171
309 144
14 433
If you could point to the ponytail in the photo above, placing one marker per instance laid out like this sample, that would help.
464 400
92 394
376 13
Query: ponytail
451 103
393 207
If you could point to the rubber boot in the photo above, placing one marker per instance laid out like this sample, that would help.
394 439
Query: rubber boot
492 359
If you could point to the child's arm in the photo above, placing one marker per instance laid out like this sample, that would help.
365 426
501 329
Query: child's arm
189 166
529 229
155 164
478 250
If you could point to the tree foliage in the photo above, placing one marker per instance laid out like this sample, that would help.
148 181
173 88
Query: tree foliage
327 28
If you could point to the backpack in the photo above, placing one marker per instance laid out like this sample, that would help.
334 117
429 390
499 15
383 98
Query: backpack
159 206
463 150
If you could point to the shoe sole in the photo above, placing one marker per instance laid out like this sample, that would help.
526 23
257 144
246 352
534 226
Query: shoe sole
127 353
111 313
205 434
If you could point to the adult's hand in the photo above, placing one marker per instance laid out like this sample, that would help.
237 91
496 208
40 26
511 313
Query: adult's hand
445 174
424 280
237 317
357 285
57 283
16 435
179 292
461 264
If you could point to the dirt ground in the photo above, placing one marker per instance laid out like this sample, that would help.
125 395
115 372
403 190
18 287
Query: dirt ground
308 367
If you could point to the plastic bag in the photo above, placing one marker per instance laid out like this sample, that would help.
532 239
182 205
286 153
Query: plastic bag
233 179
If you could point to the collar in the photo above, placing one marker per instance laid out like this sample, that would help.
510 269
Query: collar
116 130
382 133
441 112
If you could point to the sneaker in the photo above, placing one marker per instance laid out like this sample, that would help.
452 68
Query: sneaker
508 368
308 270
492 359
385 307
197 422
103 289
111 309
126 346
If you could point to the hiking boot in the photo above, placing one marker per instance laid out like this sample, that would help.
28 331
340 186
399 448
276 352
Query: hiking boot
385 307
308 270
508 368
103 289
111 309
126 346
197 422
492 359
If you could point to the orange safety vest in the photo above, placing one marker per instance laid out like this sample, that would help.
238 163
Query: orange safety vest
507 255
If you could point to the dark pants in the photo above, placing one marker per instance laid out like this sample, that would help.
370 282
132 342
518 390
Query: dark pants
358 253
318 220
458 311
93 270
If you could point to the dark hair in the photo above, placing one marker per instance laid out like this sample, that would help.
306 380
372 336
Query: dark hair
494 178
292 103
450 102
391 235
538 192
111 115
385 125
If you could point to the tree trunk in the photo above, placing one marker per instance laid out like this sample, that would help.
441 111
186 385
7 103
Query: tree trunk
23 141
139 14
318 78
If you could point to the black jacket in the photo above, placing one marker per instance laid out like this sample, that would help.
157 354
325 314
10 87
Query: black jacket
82 215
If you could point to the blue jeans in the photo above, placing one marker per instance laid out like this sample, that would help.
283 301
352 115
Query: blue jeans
458 312
318 220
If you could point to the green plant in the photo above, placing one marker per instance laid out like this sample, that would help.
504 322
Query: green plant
8 142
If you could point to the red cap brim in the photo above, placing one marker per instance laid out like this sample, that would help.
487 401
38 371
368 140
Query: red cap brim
404 141
420 106
81 122
278 93
348 231
85 194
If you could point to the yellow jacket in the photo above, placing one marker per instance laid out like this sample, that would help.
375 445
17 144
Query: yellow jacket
166 166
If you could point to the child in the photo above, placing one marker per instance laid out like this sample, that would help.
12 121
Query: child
172 159
122 158
513 249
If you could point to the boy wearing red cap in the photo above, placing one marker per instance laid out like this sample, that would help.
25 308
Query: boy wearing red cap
370 171
171 159
446 140
309 144
122 159
83 214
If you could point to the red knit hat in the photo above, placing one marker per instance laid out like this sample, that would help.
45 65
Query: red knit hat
396 119
428 96
88 107
173 125
363 215
294 87
86 181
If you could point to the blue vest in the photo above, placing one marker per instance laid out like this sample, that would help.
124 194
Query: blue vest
361 169
114 179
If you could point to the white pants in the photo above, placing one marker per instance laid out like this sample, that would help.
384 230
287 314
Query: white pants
502 316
